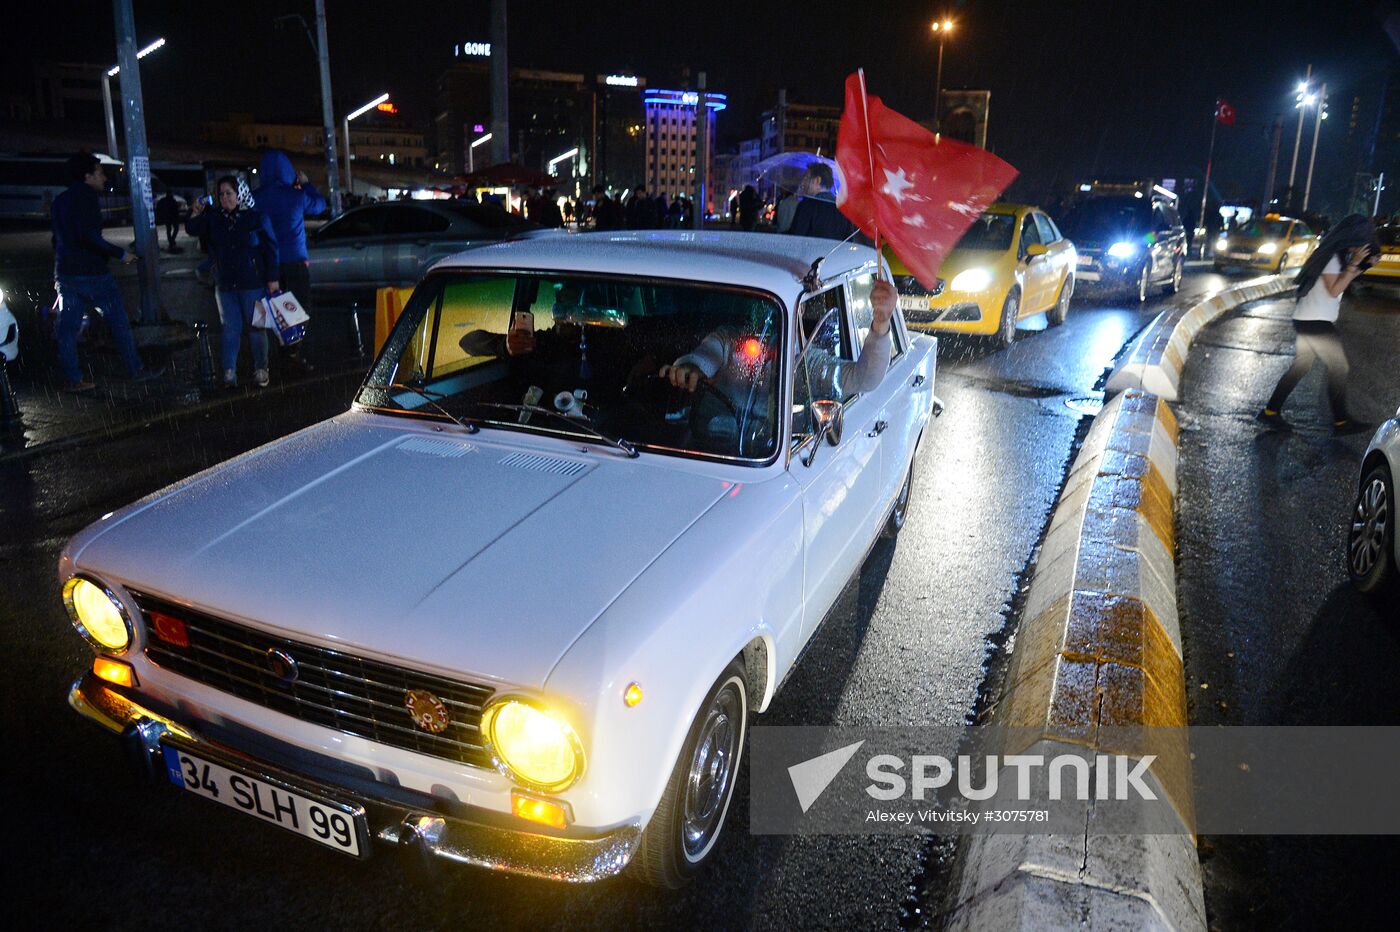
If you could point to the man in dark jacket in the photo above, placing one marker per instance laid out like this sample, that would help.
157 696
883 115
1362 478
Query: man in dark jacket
607 213
80 269
817 213
748 207
287 199
168 216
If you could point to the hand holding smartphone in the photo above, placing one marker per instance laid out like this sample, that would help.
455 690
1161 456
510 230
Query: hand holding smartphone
521 338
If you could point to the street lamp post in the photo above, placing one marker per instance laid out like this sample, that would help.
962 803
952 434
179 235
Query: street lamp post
471 151
1317 127
382 98
1302 102
107 77
941 28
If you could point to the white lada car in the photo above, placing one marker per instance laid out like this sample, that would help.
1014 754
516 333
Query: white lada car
516 605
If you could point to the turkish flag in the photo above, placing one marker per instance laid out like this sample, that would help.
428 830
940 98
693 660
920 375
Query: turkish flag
919 191
1224 112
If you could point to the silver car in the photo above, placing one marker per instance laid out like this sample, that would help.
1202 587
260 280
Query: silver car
394 243
1373 547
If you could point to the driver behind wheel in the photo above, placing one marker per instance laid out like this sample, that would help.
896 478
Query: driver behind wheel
720 358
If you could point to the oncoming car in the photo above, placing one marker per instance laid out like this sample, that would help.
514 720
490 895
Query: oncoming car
515 607
1012 263
1273 244
1129 239
1373 546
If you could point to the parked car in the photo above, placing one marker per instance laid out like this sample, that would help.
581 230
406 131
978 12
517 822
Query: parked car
1373 547
1273 244
1387 268
516 610
1012 263
1129 238
394 244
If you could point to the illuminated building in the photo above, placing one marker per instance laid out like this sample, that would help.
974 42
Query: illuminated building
671 158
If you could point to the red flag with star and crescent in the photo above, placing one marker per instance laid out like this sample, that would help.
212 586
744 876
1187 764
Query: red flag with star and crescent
1224 112
918 191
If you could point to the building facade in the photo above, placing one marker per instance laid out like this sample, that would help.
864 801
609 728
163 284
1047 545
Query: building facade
374 139
672 156
791 127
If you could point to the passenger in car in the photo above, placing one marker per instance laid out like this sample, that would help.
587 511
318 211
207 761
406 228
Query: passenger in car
720 357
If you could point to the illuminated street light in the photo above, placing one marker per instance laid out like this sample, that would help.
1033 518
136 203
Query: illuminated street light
471 152
382 98
561 157
1303 93
111 73
940 29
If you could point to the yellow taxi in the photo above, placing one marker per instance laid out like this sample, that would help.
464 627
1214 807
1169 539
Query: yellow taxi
1274 244
1013 262
1387 267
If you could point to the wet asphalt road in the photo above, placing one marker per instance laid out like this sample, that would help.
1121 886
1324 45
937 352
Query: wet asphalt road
1273 633
911 641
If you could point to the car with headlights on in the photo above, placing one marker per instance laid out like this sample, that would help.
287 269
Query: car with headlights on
1012 263
1129 239
516 606
1272 244
1387 267
392 244
1373 546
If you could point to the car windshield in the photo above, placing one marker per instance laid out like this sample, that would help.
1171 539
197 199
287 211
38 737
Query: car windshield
1265 229
1101 218
581 356
491 217
990 231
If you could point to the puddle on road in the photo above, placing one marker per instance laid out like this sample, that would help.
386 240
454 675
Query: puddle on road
1084 404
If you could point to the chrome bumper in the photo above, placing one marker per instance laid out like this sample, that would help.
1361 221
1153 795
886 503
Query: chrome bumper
429 833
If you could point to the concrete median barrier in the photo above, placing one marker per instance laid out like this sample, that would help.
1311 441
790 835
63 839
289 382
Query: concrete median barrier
1155 359
1098 653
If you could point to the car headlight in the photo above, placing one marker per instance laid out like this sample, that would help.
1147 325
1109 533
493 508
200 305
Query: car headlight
97 614
971 280
1123 250
531 746
1222 244
1268 249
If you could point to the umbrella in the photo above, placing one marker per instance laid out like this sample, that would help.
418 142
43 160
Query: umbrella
787 168
508 174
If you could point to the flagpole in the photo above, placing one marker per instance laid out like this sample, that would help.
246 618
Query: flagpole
870 158
1205 188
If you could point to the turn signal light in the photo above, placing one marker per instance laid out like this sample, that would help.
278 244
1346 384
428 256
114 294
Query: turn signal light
542 811
114 671
633 693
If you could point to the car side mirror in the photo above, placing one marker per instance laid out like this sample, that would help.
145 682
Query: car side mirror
830 419
1037 249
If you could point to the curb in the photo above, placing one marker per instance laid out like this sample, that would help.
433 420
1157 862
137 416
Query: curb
1100 646
1155 359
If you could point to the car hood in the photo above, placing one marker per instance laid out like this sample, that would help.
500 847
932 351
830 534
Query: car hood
481 556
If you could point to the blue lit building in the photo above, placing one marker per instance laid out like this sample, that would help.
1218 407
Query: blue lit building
671 157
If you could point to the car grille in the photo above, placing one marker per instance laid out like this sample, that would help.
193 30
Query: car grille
351 694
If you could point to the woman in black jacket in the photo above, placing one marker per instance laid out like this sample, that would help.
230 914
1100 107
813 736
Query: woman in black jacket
245 255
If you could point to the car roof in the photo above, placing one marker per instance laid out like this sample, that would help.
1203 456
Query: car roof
767 261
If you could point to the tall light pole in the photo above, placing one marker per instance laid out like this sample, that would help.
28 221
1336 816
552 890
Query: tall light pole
382 98
138 163
471 152
1301 99
323 57
1317 127
107 77
940 28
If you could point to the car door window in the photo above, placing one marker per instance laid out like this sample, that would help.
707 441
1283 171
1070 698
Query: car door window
357 224
1048 233
818 373
1301 230
414 221
864 314
1030 234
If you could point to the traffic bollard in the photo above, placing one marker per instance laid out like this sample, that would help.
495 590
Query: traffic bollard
206 359
9 405
355 335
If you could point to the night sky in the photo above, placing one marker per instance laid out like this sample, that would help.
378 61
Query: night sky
1121 87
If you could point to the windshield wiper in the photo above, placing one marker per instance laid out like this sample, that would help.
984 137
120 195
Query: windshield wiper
431 398
626 446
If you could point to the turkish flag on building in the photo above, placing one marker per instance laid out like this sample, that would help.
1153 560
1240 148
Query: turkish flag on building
919 191
1224 112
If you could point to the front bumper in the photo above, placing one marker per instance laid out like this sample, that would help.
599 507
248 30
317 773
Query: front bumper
1096 270
430 827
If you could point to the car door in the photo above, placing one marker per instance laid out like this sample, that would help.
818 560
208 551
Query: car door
336 255
1036 268
896 403
410 231
840 485
1059 258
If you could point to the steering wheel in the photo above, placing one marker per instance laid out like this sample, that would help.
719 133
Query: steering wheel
651 384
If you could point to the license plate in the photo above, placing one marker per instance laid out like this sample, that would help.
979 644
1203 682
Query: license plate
913 302
334 825
1088 276
1390 257
1086 260
1241 256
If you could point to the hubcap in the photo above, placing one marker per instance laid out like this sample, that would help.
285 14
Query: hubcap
711 775
1142 284
1368 527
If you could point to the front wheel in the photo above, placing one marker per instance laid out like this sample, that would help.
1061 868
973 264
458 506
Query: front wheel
1144 283
1010 311
682 833
1178 271
1060 311
1371 542
900 511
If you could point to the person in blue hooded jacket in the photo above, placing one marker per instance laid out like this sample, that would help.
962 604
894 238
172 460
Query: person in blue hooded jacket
288 198
245 254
